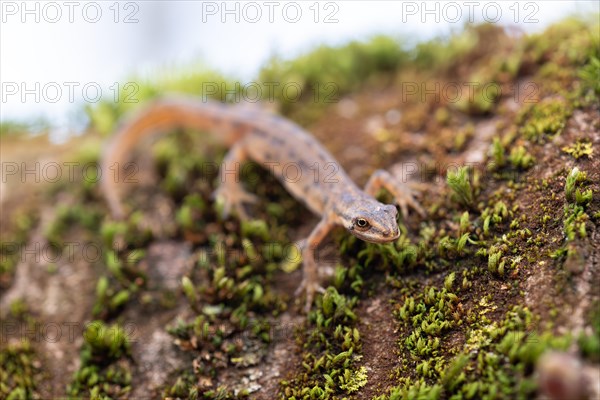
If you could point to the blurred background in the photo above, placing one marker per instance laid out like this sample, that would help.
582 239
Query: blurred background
105 44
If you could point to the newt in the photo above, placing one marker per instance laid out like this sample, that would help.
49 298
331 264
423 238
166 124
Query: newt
274 142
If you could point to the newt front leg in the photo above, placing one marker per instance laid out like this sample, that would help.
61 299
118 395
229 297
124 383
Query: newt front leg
230 189
401 192
310 281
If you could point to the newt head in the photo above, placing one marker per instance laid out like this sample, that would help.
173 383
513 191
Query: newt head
372 221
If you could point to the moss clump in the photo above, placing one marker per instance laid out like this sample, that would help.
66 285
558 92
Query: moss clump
19 371
520 158
499 358
581 148
104 370
13 242
120 280
496 361
497 154
427 315
189 215
229 302
106 342
327 73
184 172
68 216
590 75
331 352
459 181
547 118
589 342
185 388
572 183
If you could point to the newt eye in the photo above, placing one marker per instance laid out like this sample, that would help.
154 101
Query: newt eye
362 223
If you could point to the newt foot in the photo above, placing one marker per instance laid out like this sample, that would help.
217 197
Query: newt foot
234 198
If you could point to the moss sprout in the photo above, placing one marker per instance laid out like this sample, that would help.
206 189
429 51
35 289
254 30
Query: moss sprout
547 118
460 184
579 149
520 158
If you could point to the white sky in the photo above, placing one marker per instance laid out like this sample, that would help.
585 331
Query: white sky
76 50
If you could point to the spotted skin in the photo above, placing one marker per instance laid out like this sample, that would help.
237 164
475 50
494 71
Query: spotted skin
306 169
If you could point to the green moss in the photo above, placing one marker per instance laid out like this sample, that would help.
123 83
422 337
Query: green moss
459 182
495 361
68 216
115 290
13 242
443 52
327 73
190 215
410 389
581 148
494 263
572 191
574 222
463 136
255 228
485 96
331 352
231 295
103 370
568 42
590 75
108 342
121 282
428 315
19 371
192 80
498 153
189 289
589 341
186 387
544 119
520 158
352 381
101 383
